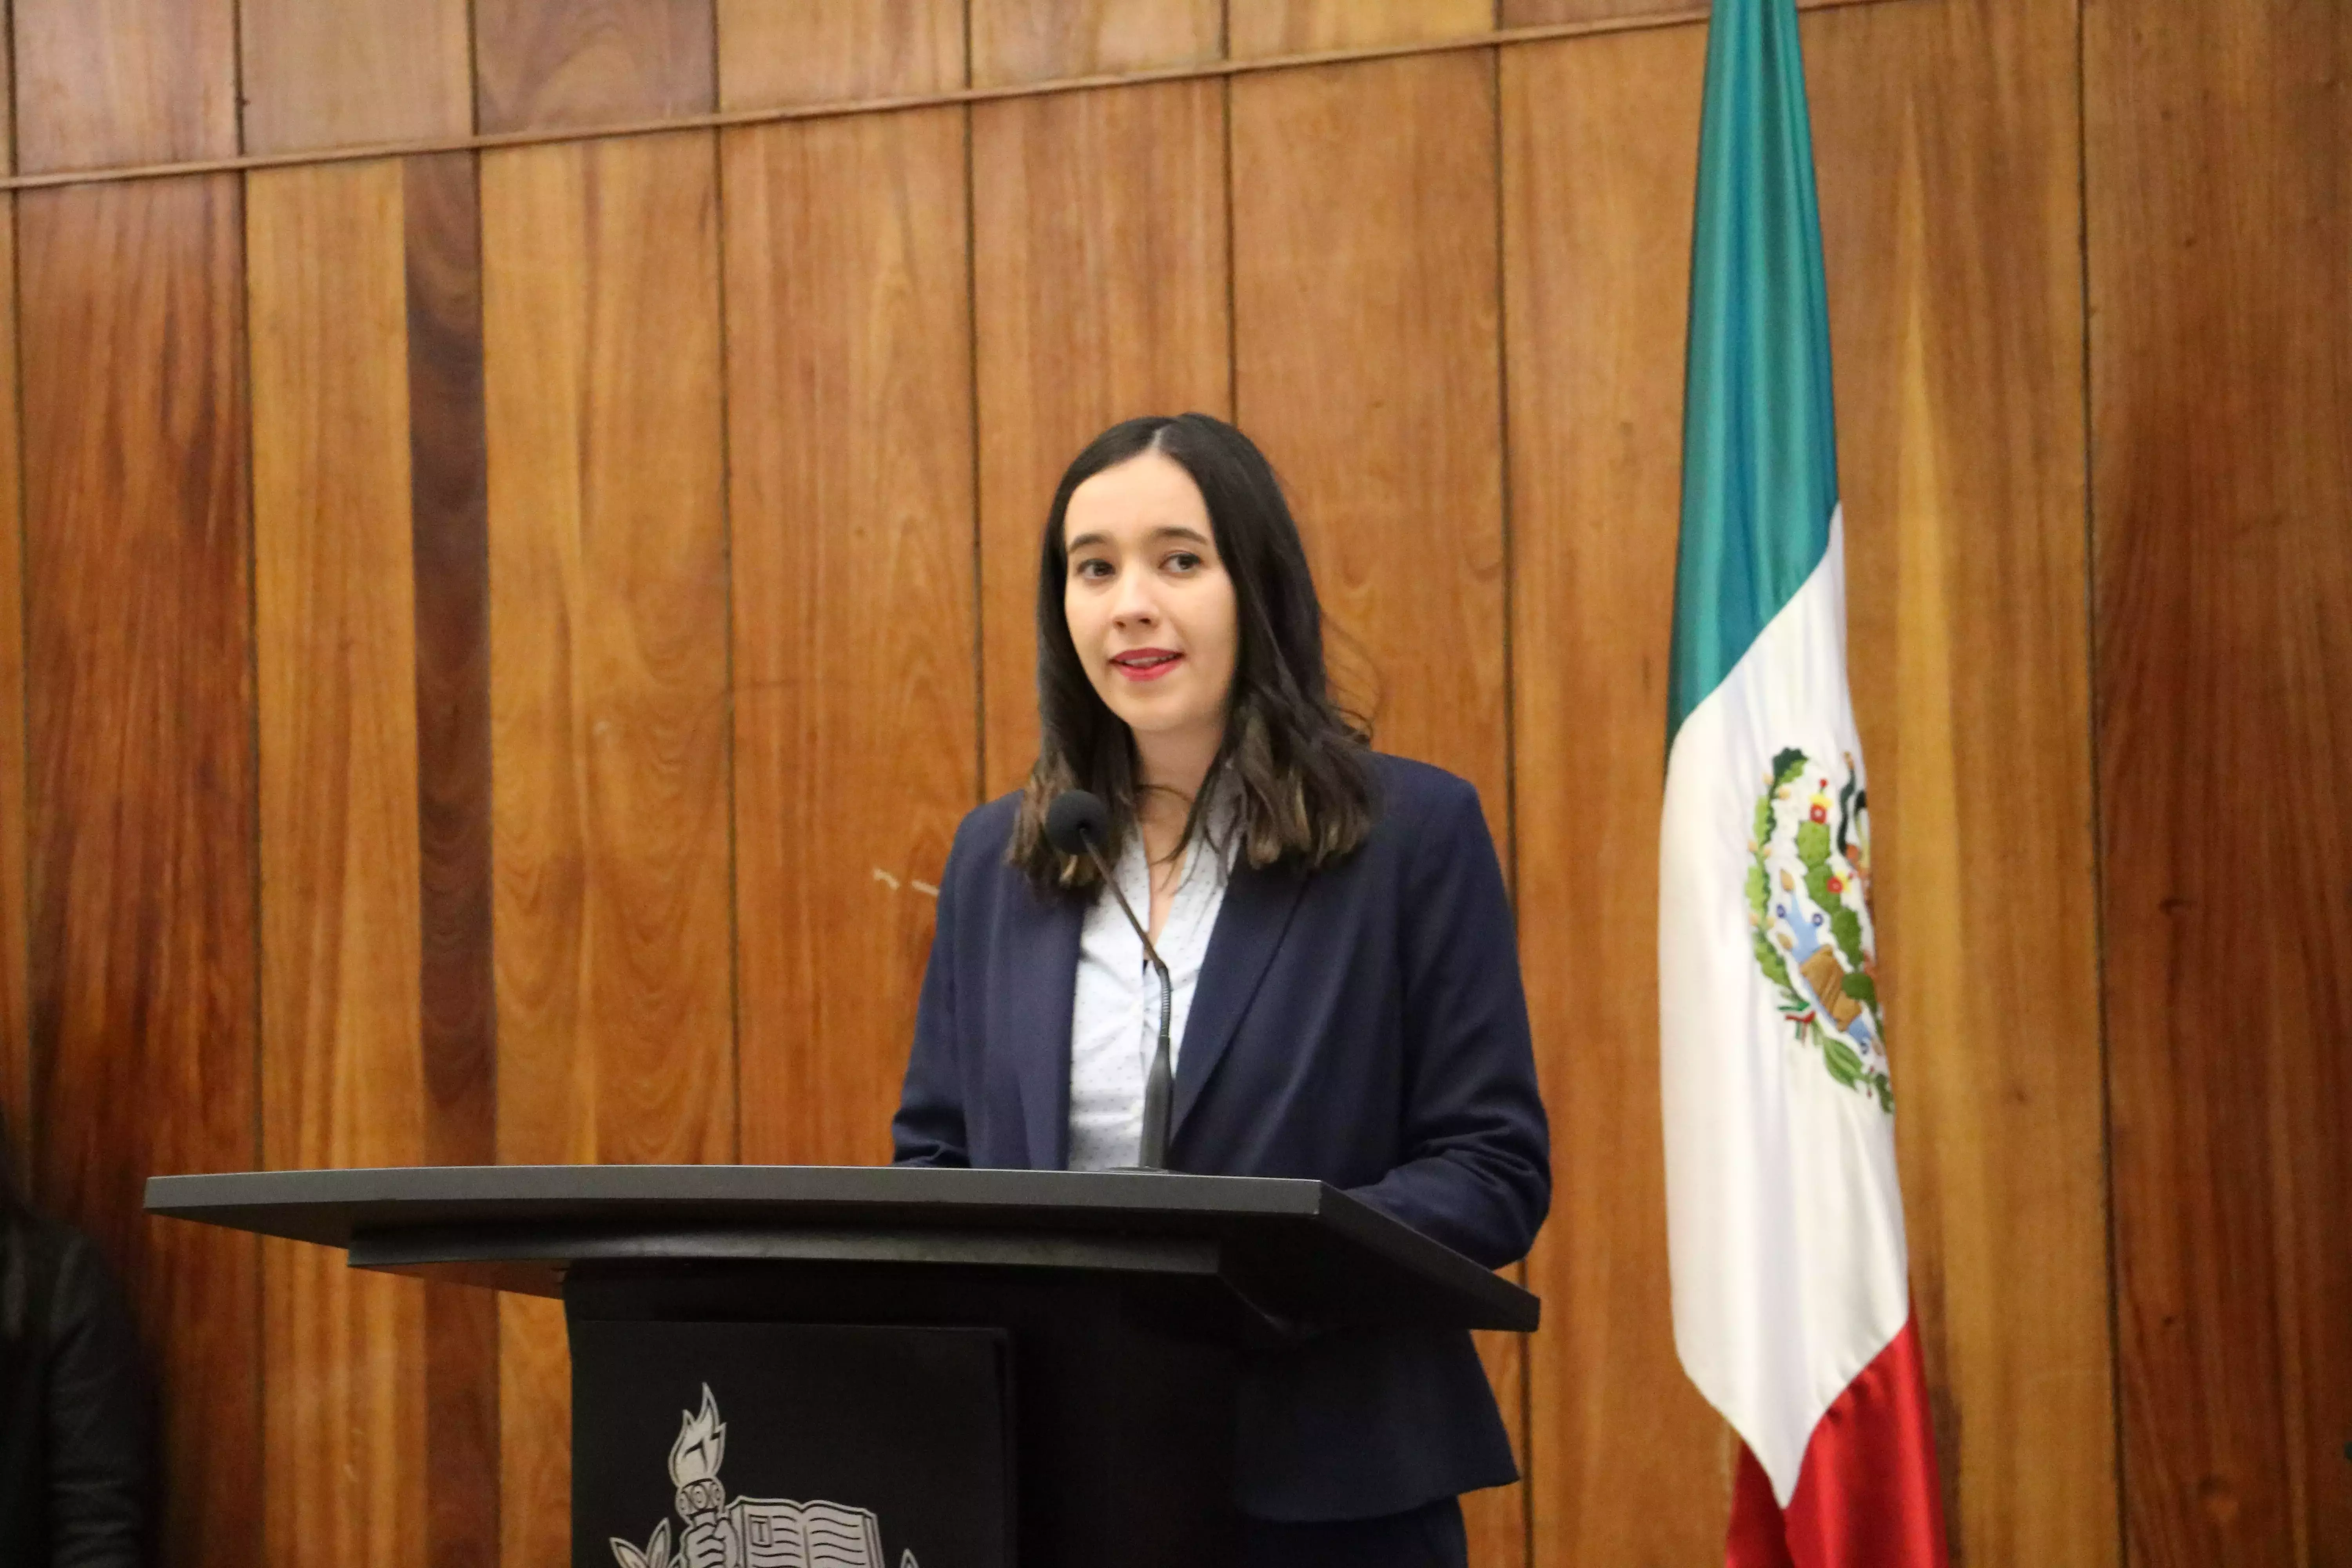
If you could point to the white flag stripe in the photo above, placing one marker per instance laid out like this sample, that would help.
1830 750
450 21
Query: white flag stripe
1783 1211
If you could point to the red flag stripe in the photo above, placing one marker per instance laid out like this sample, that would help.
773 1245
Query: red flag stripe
1867 1496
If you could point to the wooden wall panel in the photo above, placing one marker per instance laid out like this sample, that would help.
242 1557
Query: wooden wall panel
15 1014
1366 303
2222 390
1549 13
142 789
342 1070
103 82
1630 1464
1040 40
608 689
547 63
457 1023
850 415
1101 291
1367 365
1946 142
353 73
777 52
1257 28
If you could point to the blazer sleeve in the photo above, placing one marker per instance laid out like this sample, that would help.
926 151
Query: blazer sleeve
929 1129
1478 1169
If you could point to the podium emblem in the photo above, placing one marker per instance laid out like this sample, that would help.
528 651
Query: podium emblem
750 1532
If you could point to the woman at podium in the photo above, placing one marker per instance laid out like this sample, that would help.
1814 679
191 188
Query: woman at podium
1335 962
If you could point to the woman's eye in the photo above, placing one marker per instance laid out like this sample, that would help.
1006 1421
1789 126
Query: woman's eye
1093 571
1183 561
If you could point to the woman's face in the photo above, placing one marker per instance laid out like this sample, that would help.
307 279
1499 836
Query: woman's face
1150 608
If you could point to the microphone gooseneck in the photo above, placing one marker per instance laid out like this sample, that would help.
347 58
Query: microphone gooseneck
1076 824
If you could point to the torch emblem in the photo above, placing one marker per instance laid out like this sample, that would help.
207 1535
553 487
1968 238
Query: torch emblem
750 1532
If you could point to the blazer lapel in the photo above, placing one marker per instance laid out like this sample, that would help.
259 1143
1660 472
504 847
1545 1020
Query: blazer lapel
1249 925
1041 979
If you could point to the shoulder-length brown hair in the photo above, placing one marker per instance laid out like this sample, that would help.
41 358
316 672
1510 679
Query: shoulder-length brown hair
1293 764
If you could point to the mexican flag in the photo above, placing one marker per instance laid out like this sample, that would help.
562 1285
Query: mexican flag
1791 1300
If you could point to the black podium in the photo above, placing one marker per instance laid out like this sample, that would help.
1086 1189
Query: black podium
896 1368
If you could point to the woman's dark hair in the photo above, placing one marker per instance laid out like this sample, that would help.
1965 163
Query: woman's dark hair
1295 763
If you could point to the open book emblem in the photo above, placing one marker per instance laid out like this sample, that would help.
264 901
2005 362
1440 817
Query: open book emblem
750 1532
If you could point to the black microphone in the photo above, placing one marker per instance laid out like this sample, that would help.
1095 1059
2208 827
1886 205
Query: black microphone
1076 824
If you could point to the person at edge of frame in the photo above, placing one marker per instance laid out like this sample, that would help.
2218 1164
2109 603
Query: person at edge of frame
77 1464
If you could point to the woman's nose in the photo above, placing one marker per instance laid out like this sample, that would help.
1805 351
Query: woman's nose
1133 603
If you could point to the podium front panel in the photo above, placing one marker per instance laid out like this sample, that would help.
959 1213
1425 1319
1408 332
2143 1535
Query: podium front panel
746 1445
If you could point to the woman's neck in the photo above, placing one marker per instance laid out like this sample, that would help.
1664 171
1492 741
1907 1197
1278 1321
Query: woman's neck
1171 769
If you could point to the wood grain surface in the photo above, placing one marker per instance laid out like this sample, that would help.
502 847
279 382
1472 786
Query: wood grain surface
534 1434
449 559
1040 40
142 800
1101 283
1630 1464
1256 28
342 1071
353 73
1367 305
2222 391
608 696
102 82
1945 141
450 548
850 424
1549 12
777 52
545 63
16 1012
1367 365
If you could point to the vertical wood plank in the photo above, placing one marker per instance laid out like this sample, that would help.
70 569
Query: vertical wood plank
449 546
8 77
1100 282
608 694
1367 365
772 53
142 799
355 73
104 83
850 406
1946 140
1367 315
1257 28
342 1076
546 63
2221 211
1040 40
1630 1465
15 1013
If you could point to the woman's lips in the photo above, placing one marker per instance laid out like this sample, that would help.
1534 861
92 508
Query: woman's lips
1146 663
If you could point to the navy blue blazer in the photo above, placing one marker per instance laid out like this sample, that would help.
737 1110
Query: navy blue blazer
1364 1026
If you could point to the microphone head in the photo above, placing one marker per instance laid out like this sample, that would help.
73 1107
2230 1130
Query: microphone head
1075 817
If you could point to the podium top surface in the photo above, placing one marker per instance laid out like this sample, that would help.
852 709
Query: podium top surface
1307 1239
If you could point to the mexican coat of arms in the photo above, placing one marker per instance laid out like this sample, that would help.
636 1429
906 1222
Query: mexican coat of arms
1809 916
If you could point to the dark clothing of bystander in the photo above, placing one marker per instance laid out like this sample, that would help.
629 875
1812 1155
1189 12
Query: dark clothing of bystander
75 1464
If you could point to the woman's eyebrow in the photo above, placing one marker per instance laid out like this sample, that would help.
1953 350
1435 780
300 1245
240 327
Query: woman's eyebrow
1165 531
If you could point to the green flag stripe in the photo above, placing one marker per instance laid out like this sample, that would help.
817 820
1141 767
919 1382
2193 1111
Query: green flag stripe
1759 442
